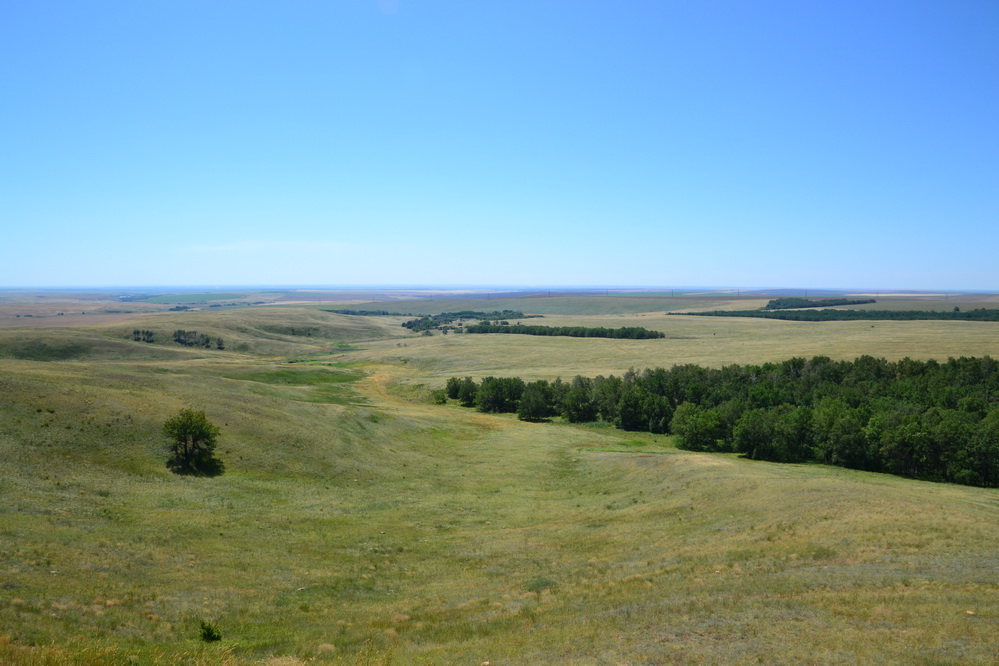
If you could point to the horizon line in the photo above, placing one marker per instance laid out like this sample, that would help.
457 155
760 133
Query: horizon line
490 288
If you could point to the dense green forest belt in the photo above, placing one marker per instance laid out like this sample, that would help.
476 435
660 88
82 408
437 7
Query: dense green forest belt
979 314
442 320
930 420
625 332
371 313
793 302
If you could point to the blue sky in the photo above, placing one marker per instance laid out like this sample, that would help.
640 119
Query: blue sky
393 142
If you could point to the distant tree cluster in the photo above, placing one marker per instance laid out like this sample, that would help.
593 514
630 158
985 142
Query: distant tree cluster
978 314
625 332
444 320
196 339
371 313
794 302
301 331
921 419
143 336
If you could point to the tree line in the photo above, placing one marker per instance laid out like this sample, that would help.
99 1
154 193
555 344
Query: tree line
442 321
792 302
978 314
196 339
370 313
625 332
929 420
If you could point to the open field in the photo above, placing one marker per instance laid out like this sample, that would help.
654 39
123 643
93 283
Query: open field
634 303
358 523
705 341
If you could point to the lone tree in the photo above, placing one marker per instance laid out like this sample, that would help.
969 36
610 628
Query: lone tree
192 446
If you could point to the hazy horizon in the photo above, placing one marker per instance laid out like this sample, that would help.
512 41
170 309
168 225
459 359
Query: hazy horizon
494 289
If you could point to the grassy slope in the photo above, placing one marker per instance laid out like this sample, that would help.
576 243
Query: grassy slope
358 523
265 331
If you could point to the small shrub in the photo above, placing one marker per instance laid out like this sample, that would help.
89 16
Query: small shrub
540 584
209 632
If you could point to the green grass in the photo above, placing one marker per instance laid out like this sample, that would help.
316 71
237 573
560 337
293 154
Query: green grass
34 350
384 529
308 384
308 376
40 344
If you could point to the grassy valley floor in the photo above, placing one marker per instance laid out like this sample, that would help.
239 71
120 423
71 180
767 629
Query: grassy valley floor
358 523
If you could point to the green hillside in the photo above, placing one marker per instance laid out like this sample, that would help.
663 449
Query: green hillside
357 522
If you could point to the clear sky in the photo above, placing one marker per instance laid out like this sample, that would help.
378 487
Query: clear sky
742 143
